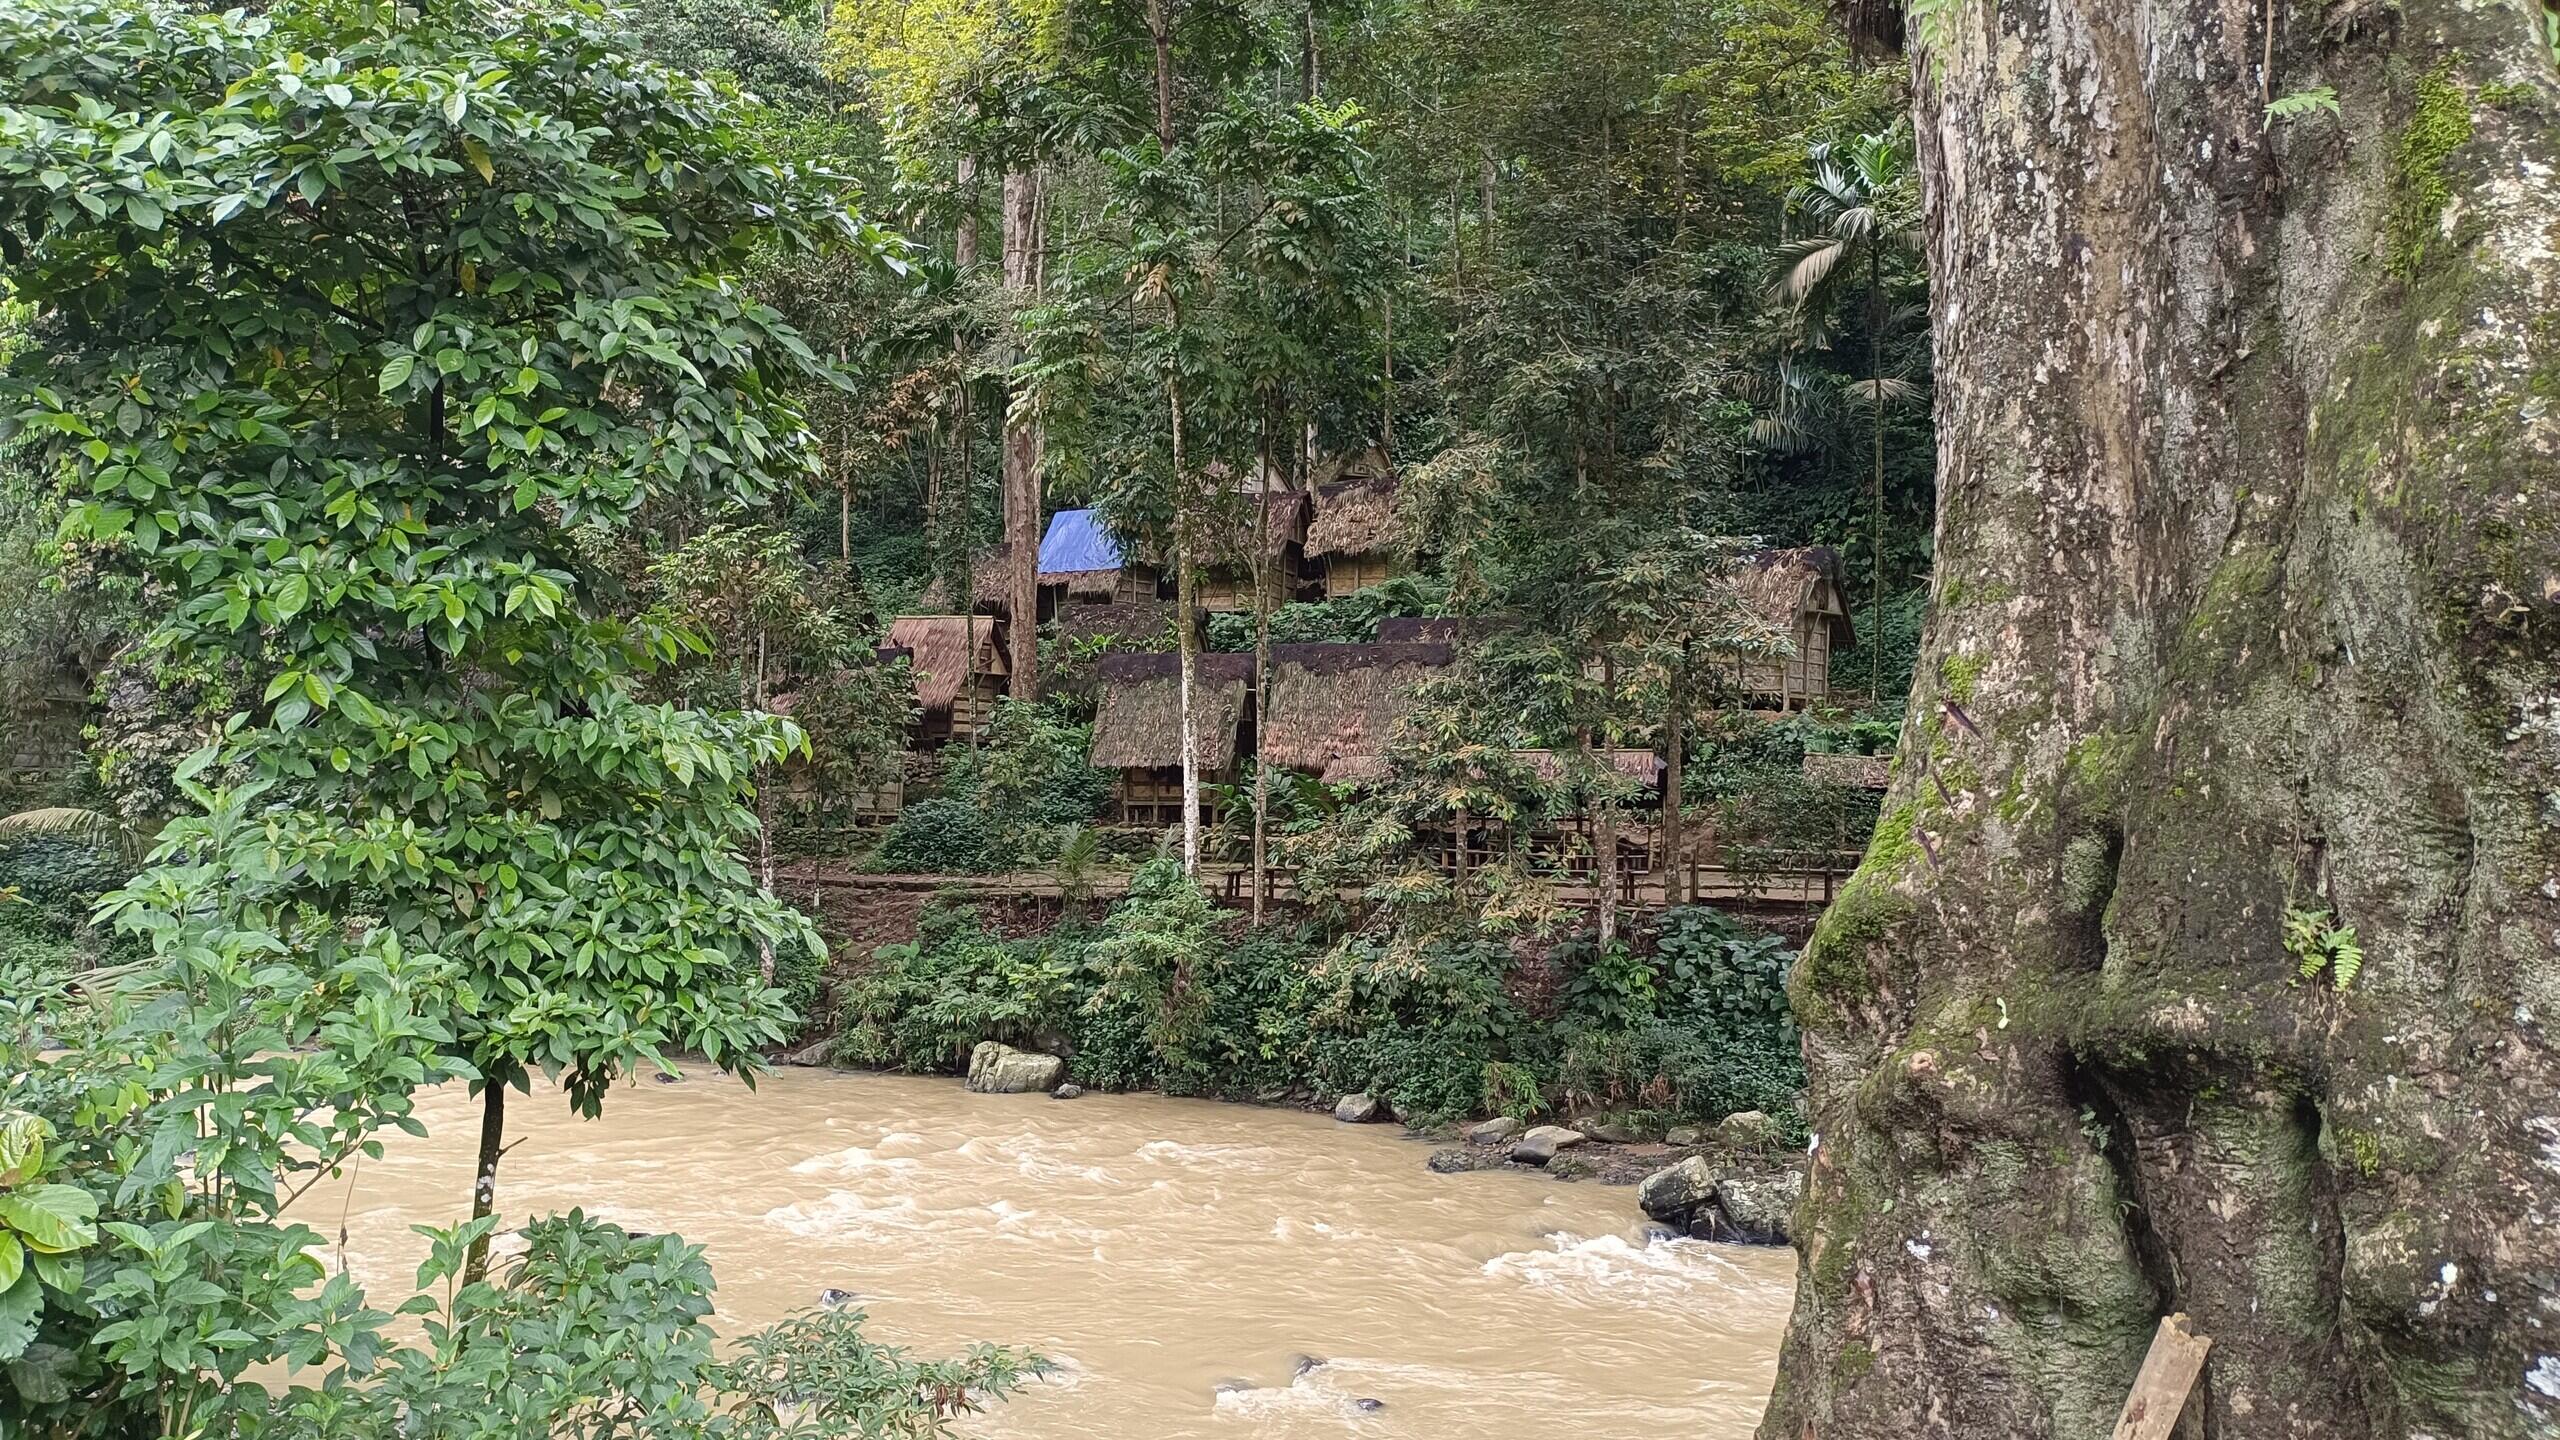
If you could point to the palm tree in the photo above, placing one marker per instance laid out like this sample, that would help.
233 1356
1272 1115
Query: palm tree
94 828
1863 198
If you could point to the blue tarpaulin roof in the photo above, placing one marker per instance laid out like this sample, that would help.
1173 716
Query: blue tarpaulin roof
1077 544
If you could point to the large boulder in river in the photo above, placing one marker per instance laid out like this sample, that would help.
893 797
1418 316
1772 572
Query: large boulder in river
1357 1108
1754 1209
1493 1131
996 1068
1541 1144
1675 1194
1749 1130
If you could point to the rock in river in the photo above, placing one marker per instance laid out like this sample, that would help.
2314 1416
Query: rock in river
999 1069
1749 1129
1357 1108
1068 1091
1541 1144
1493 1131
1676 1194
1755 1209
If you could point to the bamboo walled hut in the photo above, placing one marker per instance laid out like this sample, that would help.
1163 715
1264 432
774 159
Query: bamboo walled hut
1137 729
1799 594
1079 560
1355 530
1332 704
960 668
1226 580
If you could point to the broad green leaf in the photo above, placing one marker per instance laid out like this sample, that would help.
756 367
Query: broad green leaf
55 1218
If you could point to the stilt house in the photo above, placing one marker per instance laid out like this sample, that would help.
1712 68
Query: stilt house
1137 729
960 670
1226 579
1080 561
1800 594
1333 709
1354 531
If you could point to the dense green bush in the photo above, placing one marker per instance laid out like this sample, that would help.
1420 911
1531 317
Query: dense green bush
925 1004
1689 1021
938 836
1018 798
1343 620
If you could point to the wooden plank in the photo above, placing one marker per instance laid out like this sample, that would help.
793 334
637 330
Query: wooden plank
2167 1377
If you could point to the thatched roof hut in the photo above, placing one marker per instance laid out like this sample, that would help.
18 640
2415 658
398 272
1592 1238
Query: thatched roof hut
1369 462
1079 555
1356 517
1138 724
944 661
1330 702
1801 594
1785 586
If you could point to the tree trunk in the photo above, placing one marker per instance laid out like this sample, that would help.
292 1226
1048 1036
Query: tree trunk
2247 607
1875 416
484 1174
1309 73
1186 587
1022 500
1674 757
1261 653
1160 31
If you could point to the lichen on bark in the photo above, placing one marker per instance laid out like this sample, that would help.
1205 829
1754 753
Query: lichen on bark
2259 429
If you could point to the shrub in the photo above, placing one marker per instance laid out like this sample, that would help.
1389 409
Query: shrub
1149 961
1427 1075
928 1002
935 837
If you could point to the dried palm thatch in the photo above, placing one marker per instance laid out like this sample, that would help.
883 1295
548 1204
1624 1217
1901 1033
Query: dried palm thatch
1357 517
1369 462
1783 587
1123 622
1330 702
1138 725
939 647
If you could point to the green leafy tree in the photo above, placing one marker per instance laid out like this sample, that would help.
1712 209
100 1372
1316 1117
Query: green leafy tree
364 325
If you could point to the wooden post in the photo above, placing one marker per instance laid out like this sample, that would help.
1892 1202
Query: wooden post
2167 1377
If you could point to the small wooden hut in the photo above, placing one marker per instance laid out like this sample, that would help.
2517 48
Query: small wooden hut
1137 728
1357 535
1334 703
1226 581
1799 593
1079 561
960 669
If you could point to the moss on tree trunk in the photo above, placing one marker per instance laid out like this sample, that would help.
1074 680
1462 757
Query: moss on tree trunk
2253 425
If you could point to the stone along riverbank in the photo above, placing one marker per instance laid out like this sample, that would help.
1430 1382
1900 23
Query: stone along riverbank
1195 1268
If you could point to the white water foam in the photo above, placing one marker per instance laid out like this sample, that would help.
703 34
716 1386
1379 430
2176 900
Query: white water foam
1612 1265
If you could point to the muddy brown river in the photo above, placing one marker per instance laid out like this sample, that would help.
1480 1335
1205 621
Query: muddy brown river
1175 1257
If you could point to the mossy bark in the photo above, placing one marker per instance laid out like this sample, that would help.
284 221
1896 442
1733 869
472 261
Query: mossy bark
2249 604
